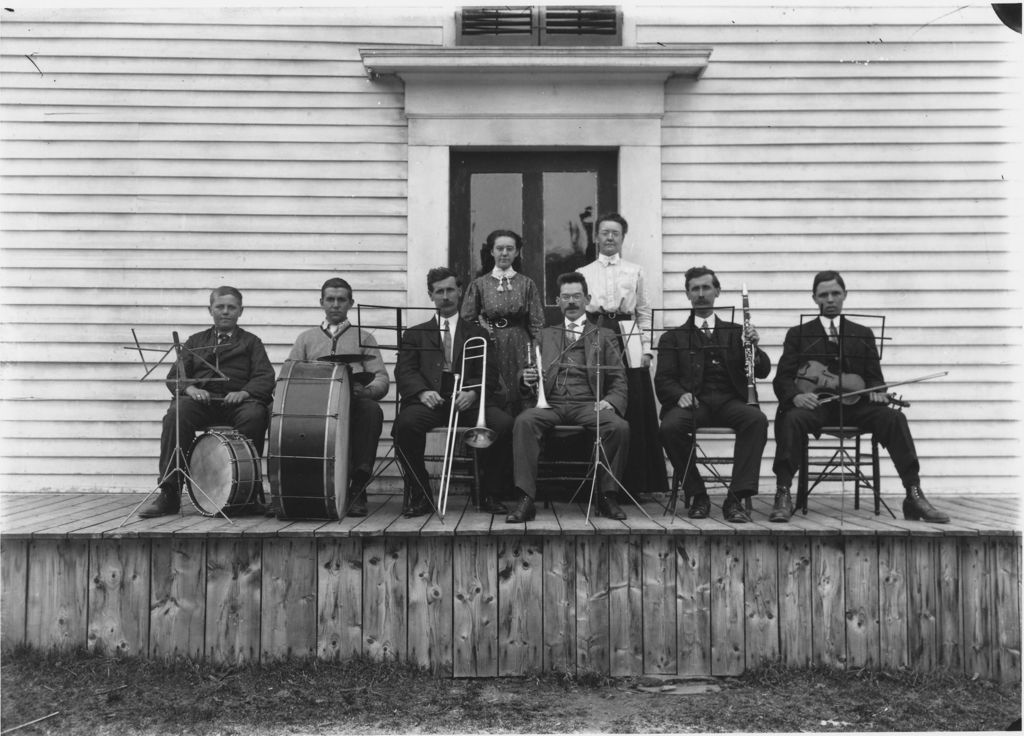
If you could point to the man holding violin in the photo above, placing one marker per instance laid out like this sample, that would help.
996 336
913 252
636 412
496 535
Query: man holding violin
832 354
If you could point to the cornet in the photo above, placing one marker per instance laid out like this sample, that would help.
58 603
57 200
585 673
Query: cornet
533 360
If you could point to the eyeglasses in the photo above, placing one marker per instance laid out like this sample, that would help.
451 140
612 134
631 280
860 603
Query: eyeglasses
572 297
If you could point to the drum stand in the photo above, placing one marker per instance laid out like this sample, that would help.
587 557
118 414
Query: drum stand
600 457
179 459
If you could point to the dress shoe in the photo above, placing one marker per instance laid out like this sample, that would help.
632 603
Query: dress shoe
357 506
783 508
168 502
419 507
700 507
524 511
733 511
917 508
608 506
491 505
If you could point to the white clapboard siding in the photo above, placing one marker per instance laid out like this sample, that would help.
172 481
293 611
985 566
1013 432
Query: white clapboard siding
875 142
151 154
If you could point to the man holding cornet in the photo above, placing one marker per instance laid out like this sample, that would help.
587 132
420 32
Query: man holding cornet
428 357
582 372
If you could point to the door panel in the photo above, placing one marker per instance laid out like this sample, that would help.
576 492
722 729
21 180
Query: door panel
549 197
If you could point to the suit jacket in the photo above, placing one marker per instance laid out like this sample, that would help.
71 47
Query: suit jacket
243 360
681 362
421 362
809 340
598 343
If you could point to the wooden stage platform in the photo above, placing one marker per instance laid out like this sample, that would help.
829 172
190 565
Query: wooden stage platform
475 597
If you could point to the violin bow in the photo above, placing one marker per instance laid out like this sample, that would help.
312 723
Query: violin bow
875 389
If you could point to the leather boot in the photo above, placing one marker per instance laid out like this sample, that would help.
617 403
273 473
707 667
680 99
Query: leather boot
168 502
524 511
782 510
917 508
607 506
733 511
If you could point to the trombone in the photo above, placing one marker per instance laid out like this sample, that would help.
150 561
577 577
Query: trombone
479 437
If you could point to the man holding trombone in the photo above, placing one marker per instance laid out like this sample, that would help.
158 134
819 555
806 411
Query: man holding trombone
431 358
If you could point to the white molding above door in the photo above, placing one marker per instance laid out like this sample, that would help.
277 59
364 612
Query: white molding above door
494 97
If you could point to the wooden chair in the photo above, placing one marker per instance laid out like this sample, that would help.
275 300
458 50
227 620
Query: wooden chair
562 461
466 464
710 463
834 461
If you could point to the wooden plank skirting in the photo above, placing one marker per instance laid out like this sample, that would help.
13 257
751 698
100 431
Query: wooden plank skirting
475 597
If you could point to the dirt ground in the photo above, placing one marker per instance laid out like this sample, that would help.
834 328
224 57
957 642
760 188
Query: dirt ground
84 694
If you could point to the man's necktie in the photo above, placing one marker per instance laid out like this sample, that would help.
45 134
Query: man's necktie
572 333
706 330
833 336
222 338
447 346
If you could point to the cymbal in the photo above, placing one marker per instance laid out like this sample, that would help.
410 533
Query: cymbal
343 358
363 378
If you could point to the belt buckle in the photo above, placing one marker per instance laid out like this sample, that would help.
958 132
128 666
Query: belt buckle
500 322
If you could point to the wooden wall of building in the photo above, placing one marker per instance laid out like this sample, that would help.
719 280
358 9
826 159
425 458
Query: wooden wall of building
877 142
150 155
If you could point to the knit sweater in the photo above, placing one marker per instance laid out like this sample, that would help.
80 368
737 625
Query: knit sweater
316 342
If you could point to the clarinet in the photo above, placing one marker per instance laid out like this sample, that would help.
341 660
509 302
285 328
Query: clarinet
748 351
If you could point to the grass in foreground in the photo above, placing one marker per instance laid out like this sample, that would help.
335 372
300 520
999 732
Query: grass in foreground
99 695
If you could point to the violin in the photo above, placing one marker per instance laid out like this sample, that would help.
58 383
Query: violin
815 378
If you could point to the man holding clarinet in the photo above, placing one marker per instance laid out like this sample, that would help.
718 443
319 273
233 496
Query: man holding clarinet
705 378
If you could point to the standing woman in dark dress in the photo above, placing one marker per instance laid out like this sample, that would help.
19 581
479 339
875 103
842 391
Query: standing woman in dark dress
507 304
618 292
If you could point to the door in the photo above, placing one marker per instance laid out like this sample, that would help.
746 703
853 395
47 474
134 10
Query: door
550 197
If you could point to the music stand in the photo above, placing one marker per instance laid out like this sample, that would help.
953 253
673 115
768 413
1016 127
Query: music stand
178 454
397 327
691 461
807 319
599 458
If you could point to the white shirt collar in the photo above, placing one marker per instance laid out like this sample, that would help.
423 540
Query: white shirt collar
609 260
579 323
712 320
326 326
452 321
825 322
503 274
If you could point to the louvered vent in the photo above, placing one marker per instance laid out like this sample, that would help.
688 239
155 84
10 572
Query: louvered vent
569 21
498 26
561 25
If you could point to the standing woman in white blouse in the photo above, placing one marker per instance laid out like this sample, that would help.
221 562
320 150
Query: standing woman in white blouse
507 304
618 292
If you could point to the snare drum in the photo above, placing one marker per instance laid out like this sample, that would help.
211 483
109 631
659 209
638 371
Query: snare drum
224 471
309 439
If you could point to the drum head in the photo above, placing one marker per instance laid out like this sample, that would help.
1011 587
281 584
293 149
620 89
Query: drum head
210 467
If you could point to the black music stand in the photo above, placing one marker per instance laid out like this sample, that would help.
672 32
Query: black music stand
807 319
178 455
691 461
397 327
599 459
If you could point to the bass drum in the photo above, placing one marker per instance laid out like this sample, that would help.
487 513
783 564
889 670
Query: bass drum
224 471
309 440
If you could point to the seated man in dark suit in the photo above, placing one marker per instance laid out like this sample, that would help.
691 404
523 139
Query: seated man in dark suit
848 349
427 357
582 371
241 402
701 382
